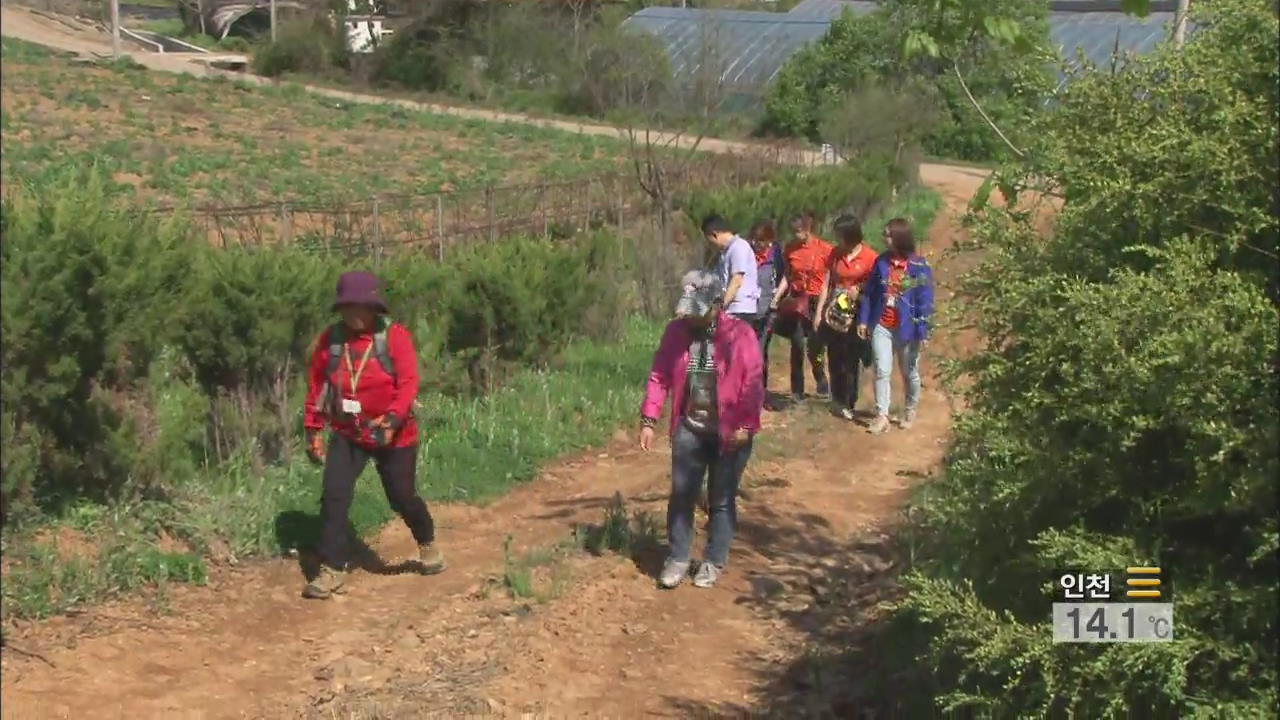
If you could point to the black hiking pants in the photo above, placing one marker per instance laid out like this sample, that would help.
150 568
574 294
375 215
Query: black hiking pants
848 354
398 469
804 342
764 333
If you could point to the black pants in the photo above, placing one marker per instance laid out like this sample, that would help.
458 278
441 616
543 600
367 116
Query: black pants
804 341
764 333
398 469
849 353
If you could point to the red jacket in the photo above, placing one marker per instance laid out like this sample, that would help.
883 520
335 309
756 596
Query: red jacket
375 392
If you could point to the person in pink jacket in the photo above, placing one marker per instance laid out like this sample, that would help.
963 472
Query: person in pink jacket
709 363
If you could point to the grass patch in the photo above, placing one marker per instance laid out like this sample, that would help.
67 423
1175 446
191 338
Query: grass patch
40 581
171 138
619 532
918 204
472 451
539 574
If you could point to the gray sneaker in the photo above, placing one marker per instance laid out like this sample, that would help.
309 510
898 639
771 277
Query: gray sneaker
879 425
673 573
908 419
708 573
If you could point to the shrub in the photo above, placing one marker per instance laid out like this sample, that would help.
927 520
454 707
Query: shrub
88 294
312 46
857 187
417 60
1122 408
881 123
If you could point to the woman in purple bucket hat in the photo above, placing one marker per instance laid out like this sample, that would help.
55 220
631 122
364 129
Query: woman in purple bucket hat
362 386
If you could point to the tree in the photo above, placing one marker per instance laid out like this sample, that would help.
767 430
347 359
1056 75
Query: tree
1121 408
881 120
952 32
1007 81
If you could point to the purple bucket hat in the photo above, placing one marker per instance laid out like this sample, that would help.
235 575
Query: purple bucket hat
359 288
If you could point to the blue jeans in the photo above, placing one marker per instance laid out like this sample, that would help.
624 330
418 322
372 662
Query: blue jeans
886 349
693 458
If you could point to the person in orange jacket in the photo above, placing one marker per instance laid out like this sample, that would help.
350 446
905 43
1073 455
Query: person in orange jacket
362 385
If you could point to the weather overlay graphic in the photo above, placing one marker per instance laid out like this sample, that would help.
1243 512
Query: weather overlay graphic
1091 607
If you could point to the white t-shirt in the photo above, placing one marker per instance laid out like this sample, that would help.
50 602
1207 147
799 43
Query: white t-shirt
737 257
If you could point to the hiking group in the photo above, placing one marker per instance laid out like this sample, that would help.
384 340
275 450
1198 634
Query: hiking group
857 306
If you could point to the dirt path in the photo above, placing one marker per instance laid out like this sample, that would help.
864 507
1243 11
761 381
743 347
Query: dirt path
817 492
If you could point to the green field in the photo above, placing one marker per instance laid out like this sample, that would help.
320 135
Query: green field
172 138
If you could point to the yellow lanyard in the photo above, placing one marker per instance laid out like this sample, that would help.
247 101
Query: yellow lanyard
354 373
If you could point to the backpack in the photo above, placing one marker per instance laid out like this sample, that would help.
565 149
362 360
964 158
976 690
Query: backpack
328 400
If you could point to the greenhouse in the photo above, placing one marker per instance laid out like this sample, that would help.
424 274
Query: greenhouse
742 51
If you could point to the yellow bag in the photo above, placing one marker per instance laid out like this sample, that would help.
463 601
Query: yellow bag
841 311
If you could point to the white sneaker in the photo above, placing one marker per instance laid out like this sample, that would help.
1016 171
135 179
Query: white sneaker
708 573
879 425
847 413
673 573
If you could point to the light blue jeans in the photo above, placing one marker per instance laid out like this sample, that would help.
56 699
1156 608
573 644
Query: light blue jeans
692 459
887 349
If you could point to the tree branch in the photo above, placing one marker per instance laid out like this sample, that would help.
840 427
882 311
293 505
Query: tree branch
964 86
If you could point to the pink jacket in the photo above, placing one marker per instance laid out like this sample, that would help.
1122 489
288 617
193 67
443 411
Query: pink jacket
739 381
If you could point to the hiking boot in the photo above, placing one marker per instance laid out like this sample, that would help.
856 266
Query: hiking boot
708 573
908 419
673 573
430 559
879 425
327 583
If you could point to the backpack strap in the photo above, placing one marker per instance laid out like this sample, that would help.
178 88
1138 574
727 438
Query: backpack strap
382 350
337 341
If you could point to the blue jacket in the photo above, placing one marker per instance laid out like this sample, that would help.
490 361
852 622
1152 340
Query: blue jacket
915 304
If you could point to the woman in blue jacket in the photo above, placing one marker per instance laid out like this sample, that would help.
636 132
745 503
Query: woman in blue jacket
896 308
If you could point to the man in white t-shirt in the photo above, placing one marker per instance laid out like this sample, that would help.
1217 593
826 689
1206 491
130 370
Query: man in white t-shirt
736 266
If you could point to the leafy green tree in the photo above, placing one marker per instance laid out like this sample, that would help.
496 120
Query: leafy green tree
1122 408
987 63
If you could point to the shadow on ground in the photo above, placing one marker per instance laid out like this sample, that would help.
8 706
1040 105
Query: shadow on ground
300 531
833 592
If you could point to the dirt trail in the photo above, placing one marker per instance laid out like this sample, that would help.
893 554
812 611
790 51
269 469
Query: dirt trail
611 644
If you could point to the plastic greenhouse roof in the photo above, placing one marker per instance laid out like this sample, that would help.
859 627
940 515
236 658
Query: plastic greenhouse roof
1098 34
753 46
